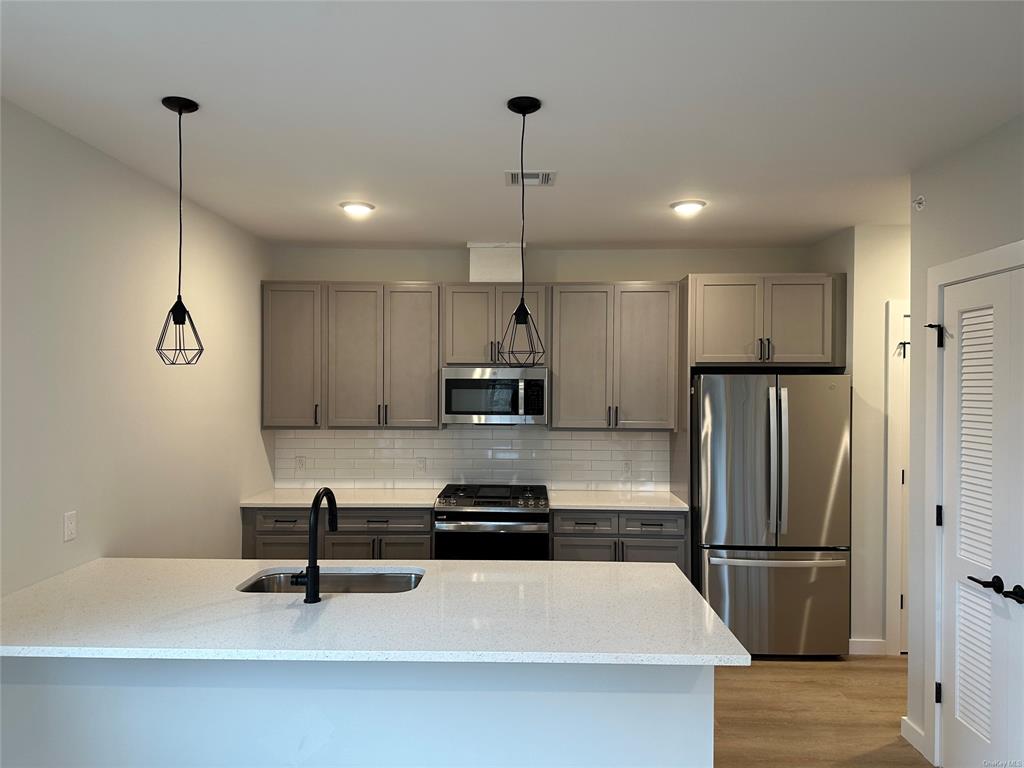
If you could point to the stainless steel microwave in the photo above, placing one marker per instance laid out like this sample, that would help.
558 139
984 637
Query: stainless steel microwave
494 395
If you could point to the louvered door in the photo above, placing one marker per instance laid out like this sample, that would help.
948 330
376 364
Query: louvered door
982 669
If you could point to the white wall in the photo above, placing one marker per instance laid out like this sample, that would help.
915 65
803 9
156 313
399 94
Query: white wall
877 262
974 202
153 458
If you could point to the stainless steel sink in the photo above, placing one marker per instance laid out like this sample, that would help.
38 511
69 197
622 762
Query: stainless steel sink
335 580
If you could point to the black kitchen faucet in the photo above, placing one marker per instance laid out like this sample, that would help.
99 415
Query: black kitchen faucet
310 578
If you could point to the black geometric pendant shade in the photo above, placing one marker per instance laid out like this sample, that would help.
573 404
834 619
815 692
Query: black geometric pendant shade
179 342
521 344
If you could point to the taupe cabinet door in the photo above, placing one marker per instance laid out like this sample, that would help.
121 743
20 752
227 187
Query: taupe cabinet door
282 547
582 355
355 354
798 318
469 324
403 547
763 319
656 551
579 548
646 319
476 315
291 355
349 547
507 299
411 370
729 318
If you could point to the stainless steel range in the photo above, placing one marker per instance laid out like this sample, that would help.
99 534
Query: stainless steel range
492 522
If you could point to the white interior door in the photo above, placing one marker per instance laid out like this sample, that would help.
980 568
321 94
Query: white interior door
902 442
982 635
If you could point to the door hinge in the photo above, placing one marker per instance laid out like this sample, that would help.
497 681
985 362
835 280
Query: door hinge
903 477
940 333
938 693
938 515
901 602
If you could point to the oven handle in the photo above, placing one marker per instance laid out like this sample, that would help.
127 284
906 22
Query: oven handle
466 526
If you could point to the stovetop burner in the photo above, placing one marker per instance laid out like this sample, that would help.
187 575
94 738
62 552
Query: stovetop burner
494 496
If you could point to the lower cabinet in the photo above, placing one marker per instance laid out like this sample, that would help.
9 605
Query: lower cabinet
378 534
656 538
281 547
386 547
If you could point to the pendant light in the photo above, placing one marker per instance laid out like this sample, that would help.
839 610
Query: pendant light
179 342
521 344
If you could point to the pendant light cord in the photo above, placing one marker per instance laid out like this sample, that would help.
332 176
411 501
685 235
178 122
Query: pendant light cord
522 231
180 184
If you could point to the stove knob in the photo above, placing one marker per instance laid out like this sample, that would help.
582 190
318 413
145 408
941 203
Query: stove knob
521 502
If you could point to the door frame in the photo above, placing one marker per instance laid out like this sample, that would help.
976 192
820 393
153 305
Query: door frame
926 737
897 426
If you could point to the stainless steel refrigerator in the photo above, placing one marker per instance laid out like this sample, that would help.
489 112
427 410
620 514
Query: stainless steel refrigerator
771 459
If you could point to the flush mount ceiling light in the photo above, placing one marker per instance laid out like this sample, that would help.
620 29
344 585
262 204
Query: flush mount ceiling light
521 343
357 209
179 342
688 208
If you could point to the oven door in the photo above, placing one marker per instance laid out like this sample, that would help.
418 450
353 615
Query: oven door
494 395
509 535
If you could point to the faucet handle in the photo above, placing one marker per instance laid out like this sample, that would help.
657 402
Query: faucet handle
299 579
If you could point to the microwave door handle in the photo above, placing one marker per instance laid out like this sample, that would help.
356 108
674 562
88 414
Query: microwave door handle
522 397
773 460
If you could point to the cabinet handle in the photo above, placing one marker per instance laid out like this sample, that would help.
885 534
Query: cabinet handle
760 349
378 414
383 521
584 523
385 414
490 345
291 521
316 413
374 548
652 525
609 415
616 415
768 348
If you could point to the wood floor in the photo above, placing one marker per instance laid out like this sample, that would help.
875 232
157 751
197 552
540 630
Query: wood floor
813 713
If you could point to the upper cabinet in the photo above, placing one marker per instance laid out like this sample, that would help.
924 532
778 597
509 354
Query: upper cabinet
646 323
613 361
292 355
411 369
372 350
476 315
764 319
355 354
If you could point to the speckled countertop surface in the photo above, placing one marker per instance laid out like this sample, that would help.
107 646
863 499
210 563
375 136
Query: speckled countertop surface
462 611
369 498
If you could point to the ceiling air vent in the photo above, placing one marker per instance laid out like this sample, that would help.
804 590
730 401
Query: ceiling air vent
533 178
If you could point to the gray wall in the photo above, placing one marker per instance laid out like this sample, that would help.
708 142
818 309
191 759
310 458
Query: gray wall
975 202
153 458
296 262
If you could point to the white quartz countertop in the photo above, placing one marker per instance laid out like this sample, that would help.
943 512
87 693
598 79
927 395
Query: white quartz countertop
462 611
369 498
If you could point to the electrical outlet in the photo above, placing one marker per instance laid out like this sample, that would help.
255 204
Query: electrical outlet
300 463
70 525
421 464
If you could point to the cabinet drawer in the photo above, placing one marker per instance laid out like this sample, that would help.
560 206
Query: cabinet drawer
587 522
403 547
283 520
652 525
399 521
281 548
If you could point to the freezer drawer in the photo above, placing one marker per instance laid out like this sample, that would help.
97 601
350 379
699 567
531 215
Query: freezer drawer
781 603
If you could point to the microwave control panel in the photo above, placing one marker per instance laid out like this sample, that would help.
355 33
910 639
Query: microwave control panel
533 397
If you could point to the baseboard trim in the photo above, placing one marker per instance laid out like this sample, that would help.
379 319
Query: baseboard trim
868 647
913 736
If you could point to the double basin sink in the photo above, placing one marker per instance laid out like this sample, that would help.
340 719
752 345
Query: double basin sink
335 580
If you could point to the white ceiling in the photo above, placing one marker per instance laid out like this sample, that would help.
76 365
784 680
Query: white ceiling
792 119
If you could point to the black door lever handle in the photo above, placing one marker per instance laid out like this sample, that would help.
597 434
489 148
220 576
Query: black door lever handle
1017 593
996 585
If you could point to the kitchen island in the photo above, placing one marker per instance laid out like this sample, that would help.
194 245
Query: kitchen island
164 662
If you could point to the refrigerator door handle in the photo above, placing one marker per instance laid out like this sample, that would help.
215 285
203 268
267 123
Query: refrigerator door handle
773 460
777 563
784 418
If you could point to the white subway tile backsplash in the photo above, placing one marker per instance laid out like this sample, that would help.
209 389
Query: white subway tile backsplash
371 458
